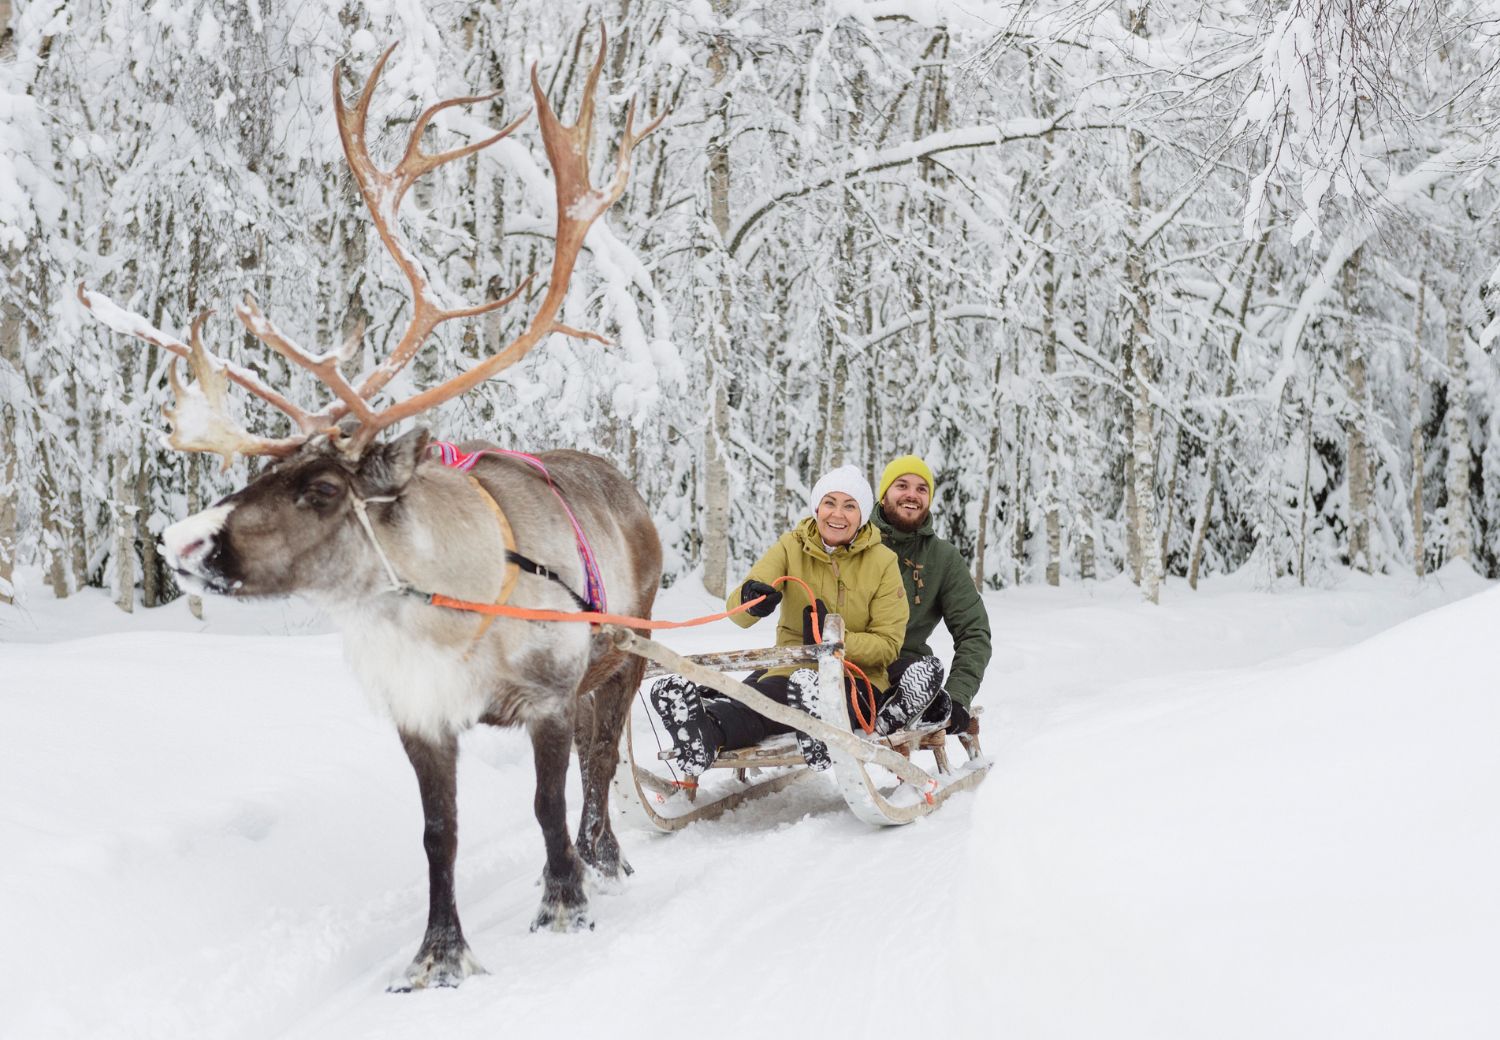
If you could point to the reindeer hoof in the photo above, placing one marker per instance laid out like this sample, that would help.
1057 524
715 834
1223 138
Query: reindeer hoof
563 918
447 967
610 883
604 859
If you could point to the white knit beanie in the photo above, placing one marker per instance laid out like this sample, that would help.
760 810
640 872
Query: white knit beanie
851 482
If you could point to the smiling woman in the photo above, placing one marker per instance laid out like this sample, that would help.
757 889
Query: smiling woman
838 518
837 554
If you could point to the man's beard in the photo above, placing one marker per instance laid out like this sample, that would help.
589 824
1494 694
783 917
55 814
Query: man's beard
906 526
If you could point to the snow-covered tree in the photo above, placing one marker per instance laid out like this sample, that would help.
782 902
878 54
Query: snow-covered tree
1160 289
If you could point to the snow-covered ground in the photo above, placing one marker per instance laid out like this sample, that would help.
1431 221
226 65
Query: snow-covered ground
1241 814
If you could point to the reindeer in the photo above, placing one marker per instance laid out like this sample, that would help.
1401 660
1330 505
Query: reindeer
356 525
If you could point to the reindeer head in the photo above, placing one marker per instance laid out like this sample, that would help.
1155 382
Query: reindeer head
296 527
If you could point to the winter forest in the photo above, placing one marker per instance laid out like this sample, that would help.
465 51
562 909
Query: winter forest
1160 287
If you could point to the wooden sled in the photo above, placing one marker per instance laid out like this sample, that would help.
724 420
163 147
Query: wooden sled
918 792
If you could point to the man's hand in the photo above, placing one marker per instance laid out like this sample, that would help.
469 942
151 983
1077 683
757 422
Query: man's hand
807 621
753 589
958 719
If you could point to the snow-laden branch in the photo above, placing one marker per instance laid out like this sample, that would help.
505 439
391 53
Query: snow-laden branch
1362 225
1164 217
920 317
1023 129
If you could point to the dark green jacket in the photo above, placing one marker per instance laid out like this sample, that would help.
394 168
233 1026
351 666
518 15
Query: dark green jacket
938 588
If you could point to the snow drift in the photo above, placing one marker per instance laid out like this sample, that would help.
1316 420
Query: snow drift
1228 816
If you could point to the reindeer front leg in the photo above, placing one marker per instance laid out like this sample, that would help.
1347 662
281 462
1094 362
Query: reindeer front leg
444 958
565 904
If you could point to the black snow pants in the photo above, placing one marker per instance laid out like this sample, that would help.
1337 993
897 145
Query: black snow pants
743 727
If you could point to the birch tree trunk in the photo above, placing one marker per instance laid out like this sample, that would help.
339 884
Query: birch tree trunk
986 505
194 505
1052 519
991 474
837 331
781 361
10 466
715 447
1085 506
1138 381
1456 518
1307 416
1171 498
1127 471
10 354
1211 475
150 560
54 533
1358 460
123 531
1419 549
1018 494
78 547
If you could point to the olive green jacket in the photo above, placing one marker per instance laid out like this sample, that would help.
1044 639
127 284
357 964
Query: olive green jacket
938 588
859 581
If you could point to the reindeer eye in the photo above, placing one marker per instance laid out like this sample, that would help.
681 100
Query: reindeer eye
324 489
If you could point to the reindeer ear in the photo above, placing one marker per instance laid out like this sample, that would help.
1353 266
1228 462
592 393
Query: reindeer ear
387 468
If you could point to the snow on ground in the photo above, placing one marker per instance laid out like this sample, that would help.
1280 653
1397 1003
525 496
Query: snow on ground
1241 814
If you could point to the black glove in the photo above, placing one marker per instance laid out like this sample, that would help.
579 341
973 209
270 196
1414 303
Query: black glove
958 719
807 625
752 589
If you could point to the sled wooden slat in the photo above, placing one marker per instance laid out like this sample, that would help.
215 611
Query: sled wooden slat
657 784
668 808
775 751
751 660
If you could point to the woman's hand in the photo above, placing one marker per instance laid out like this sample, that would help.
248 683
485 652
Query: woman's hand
753 589
807 622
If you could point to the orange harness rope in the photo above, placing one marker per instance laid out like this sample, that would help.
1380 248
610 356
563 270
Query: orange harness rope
594 617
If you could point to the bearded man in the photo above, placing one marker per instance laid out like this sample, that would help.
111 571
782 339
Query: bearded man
938 588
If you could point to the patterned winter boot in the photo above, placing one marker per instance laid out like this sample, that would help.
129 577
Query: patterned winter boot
681 709
918 688
799 695
939 710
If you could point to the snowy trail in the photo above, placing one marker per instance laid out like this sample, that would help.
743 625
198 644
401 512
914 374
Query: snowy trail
1211 818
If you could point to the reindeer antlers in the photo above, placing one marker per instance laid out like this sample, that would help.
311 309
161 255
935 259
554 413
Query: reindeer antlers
201 421
200 418
578 206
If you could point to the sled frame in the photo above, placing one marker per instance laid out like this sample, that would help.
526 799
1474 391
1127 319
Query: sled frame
919 793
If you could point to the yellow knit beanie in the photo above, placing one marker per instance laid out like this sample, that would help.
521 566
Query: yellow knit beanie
905 464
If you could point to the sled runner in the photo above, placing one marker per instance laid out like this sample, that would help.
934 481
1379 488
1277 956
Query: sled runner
670 807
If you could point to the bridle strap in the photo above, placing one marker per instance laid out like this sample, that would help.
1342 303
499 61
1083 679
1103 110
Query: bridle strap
397 585
507 535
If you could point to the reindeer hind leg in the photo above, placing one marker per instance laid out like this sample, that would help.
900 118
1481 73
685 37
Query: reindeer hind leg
565 903
609 704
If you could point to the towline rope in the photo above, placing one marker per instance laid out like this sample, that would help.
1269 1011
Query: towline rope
592 617
598 617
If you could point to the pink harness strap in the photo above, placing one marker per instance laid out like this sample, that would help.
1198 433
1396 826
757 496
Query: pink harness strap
449 455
